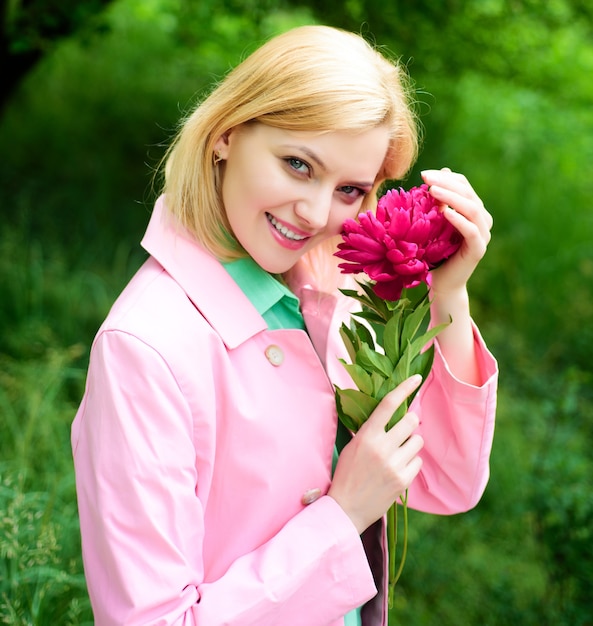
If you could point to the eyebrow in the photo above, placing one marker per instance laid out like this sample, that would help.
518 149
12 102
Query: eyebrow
310 154
313 156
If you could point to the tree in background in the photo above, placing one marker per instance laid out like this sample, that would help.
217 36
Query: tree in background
520 40
30 29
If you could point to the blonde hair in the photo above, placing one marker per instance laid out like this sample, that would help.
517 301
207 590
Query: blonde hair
311 78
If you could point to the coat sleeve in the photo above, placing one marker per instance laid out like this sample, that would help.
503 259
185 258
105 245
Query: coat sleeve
142 520
457 424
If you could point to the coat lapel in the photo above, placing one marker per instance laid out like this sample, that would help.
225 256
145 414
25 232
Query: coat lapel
212 290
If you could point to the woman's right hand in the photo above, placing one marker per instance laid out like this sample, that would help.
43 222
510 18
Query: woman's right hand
376 466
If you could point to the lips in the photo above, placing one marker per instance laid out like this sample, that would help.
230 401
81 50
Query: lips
284 230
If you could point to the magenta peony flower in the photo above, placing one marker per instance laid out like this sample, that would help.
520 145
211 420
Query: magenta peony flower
397 247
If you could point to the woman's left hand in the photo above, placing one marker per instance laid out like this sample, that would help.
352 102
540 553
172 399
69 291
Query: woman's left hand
465 210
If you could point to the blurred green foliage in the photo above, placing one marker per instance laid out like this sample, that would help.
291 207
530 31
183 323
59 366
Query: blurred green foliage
30 29
504 94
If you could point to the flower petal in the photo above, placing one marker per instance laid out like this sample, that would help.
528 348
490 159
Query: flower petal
391 290
397 246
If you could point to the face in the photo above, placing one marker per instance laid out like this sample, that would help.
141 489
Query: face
286 191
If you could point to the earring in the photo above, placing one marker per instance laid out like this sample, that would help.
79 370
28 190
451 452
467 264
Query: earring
217 158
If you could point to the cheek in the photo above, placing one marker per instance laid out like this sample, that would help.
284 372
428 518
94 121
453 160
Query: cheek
239 192
252 189
339 215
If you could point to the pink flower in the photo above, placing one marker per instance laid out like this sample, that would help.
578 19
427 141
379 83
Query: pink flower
397 246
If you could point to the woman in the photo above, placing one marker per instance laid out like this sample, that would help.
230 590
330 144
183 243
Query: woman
203 445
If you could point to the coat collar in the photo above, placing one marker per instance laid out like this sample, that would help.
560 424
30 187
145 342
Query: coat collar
218 297
203 278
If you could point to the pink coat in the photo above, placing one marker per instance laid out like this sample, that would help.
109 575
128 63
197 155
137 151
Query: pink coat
200 431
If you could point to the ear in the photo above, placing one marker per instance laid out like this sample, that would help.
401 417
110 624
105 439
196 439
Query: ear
222 145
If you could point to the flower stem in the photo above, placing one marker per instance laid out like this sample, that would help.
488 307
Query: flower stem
395 578
391 546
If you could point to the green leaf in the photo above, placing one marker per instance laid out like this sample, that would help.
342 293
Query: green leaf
377 382
413 321
377 304
423 363
351 341
391 336
402 368
355 406
361 378
418 344
363 333
374 361
348 422
351 293
367 298
370 315
389 384
376 323
406 367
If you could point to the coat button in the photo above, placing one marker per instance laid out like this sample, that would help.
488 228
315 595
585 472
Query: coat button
310 496
274 355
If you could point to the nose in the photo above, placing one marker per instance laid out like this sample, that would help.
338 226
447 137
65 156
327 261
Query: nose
314 210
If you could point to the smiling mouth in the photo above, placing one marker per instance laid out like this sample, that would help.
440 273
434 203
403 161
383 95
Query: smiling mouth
289 234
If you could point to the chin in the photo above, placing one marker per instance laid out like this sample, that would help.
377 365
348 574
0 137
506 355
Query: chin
274 267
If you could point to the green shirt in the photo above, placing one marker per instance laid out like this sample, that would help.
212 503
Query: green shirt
280 309
274 301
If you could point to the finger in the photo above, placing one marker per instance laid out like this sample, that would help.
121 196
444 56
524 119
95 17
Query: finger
474 225
463 199
453 181
411 470
476 239
402 433
380 417
473 210
405 462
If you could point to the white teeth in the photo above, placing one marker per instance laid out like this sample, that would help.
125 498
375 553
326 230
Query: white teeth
285 231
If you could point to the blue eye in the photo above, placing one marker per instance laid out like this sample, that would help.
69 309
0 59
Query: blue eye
298 165
353 192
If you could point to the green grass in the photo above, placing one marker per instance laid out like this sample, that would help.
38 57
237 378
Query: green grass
41 580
